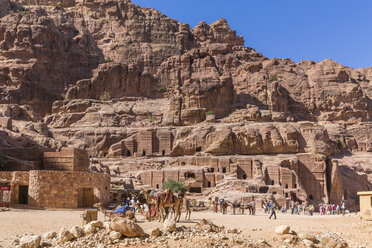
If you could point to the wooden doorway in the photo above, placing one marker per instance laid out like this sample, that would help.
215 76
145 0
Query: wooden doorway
85 197
23 194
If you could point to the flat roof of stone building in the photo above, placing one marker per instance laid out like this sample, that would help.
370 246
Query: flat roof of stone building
365 193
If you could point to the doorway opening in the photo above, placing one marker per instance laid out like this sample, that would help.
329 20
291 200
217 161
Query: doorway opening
85 197
23 194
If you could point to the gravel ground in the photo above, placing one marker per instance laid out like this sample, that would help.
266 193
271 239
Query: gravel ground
350 228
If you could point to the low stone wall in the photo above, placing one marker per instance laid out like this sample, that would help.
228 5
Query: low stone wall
59 189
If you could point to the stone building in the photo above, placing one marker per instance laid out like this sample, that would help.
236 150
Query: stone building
195 179
64 183
365 205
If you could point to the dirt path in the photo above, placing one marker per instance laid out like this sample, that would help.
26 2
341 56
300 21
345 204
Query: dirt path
19 222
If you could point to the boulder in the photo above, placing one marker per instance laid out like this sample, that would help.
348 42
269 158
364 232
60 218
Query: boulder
30 241
170 225
64 235
96 223
155 232
88 228
49 235
126 227
77 231
308 243
106 225
283 229
114 236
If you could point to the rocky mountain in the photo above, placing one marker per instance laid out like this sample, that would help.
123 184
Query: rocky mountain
94 73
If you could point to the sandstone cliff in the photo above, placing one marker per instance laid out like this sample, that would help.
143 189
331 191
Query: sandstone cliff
97 74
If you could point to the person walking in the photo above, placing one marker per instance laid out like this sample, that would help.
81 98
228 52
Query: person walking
343 208
264 207
215 205
311 210
234 205
273 213
221 203
292 207
253 207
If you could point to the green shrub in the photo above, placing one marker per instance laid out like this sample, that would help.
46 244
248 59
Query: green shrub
25 12
341 144
59 5
162 88
273 77
151 119
108 60
174 186
209 113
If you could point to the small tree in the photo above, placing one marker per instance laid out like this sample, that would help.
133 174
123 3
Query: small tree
162 88
273 77
209 112
175 186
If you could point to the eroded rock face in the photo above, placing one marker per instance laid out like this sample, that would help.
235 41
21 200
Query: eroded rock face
5 7
250 139
99 73
114 81
30 42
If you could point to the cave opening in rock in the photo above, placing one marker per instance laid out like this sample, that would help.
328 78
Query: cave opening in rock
198 149
190 175
263 189
195 190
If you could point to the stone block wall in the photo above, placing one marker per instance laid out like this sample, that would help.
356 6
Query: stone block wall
272 175
145 143
209 180
60 189
287 178
66 160
165 141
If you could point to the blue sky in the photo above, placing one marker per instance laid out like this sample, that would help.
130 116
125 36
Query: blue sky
297 29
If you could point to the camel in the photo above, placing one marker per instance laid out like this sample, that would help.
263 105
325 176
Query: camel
110 214
166 208
182 201
151 203
145 214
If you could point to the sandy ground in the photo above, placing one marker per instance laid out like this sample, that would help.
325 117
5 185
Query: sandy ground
19 222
